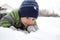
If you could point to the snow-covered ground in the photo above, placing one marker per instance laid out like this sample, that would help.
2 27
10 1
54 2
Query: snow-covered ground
49 30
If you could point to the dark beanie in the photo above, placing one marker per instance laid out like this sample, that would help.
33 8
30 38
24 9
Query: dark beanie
29 8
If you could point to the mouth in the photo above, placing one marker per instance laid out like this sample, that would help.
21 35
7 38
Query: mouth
26 25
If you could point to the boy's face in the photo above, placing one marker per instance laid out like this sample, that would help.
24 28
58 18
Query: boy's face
28 21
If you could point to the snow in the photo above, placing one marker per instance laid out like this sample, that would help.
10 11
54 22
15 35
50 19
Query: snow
49 29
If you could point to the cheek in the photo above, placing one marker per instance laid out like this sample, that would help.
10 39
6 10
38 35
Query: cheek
30 22
27 22
24 21
33 22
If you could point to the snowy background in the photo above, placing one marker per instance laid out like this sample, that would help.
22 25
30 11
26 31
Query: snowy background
49 29
49 26
51 5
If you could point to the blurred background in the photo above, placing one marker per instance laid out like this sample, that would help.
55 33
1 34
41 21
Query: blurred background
48 21
47 8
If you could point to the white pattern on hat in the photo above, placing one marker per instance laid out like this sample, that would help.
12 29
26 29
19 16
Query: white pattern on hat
35 7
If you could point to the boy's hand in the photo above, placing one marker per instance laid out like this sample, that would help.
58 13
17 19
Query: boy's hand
32 29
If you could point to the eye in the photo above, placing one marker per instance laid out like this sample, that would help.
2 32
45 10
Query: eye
33 19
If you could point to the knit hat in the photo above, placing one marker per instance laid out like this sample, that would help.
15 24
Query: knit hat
29 8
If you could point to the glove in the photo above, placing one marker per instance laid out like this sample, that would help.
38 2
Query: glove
32 29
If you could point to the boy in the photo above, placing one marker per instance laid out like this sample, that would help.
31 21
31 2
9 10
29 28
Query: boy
23 18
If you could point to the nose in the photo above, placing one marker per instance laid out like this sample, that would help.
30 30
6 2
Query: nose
31 24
